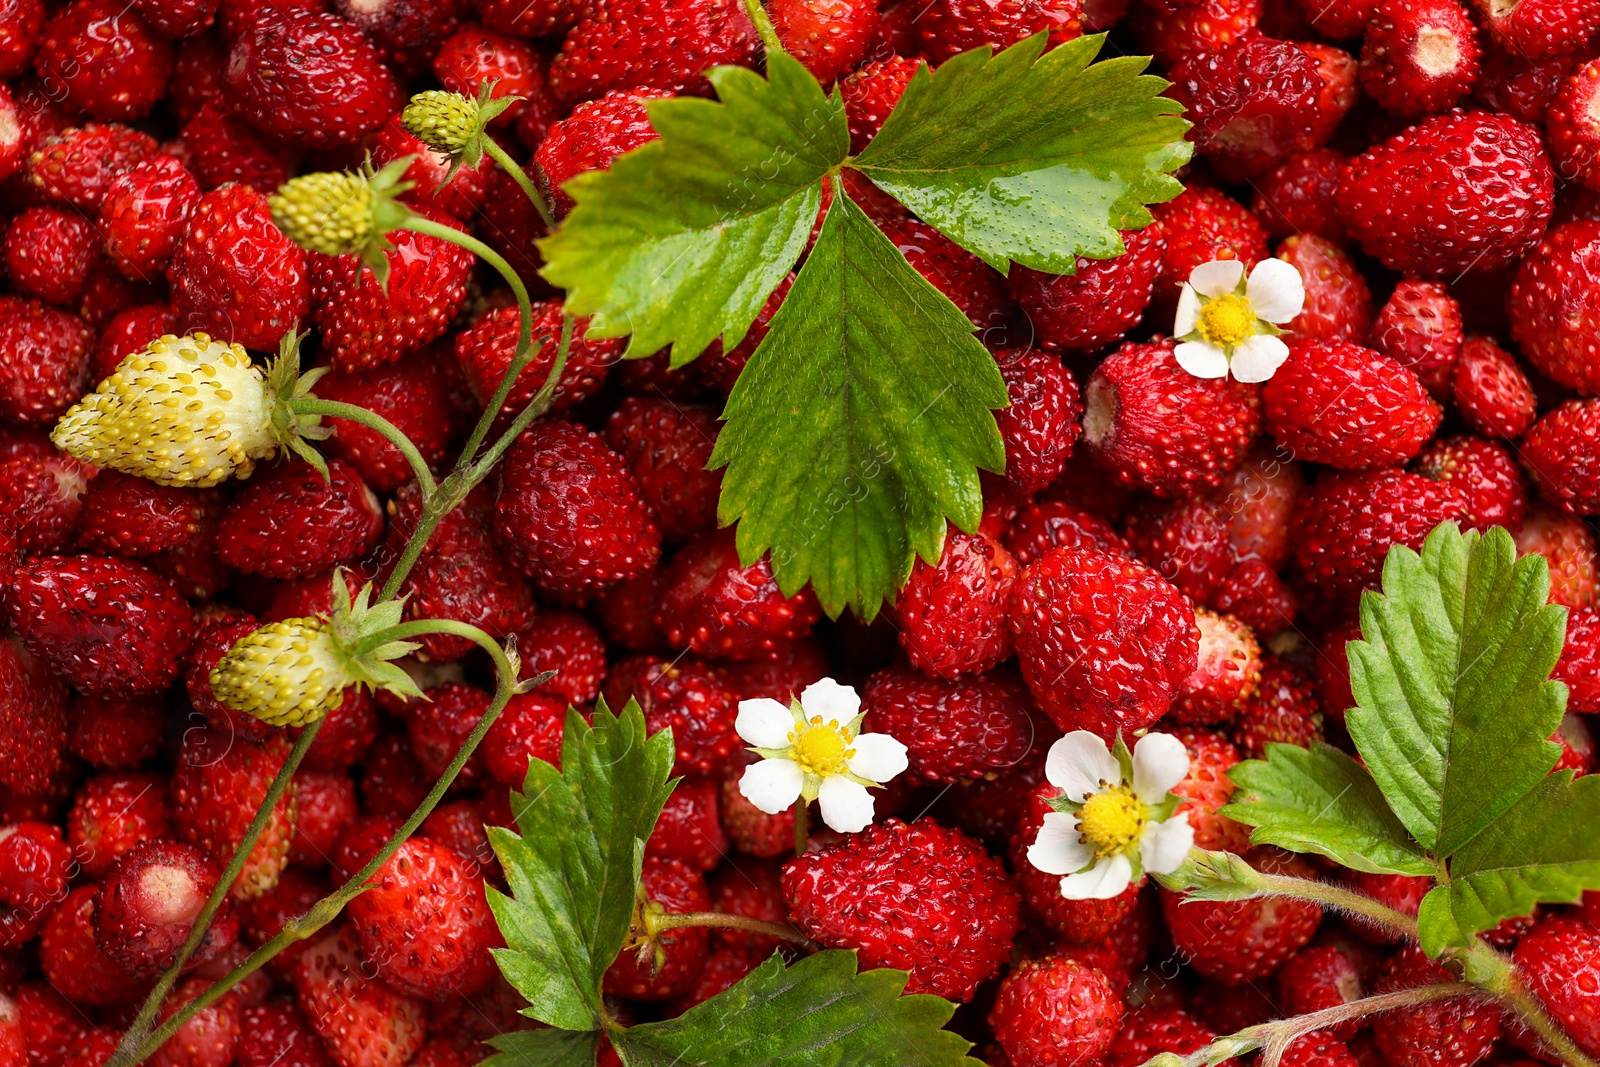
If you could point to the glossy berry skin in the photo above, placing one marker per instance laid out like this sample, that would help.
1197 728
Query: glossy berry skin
522 18
954 730
1554 304
689 829
590 139
309 78
1346 406
1099 303
486 349
1458 192
953 617
1149 1030
1560 961
667 446
828 36
1319 977
1284 710
654 44
1041 424
1297 196
1338 305
473 56
1343 527
144 213
677 888
114 813
913 896
412 393
1057 524
1174 32
1419 56
1579 666
235 275
73 961
1420 329
33 715
290 523
99 58
1486 473
48 254
44 360
1562 452
1080 922
112 627
128 516
77 165
1571 131
1103 642
458 195
1202 224
713 604
949 27
219 783
1249 102
277 1032
1441 1034
871 92
567 643
1186 541
1208 788
1151 424
687 696
35 866
1055 1012
220 147
1536 28
1233 942
1227 675
1491 391
149 903
363 1022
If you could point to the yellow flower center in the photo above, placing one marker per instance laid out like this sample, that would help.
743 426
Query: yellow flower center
1227 321
820 748
1111 821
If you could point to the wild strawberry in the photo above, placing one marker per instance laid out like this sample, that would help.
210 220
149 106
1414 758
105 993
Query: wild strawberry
627 613
310 78
1208 788
1297 197
970 283
1149 1030
1320 977
126 334
568 644
48 254
116 735
752 888
409 393
682 951
486 349
508 223
1259 497
1234 942
1097 304
365 324
1104 642
290 522
687 696
1541 27
1577 755
363 1021
1338 304
207 1039
1558 960
149 903
408 33
77 166
1490 194
44 357
1347 406
1200 225
949 27
1560 452
1056 524
425 924
1420 329
871 92
526 18
617 44
220 147
829 36
99 58
666 446
724 967
1419 56
1228 674
689 830
714 605
914 896
1568 547
1571 131
347 732
1249 102
1579 667
219 783
953 616
1344 526
1337 71
459 197
473 56
361 842
1186 541
954 730
128 516
47 494
1174 33
114 813
213 641
278 1033
1042 422
1081 922
1055 1012
1151 424
590 139
752 831
35 866
23 22
1522 86
33 715
1332 666
1490 390
73 961
1284 710
144 212
1444 1031
1486 473
235 274
440 722
52 1026
1319 1048
325 806
1254 593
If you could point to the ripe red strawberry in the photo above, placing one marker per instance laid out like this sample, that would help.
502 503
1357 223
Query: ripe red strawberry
126 334
235 275
677 888
23 23
177 18
207 1039
1420 329
913 896
35 866
113 813
408 33
828 36
1250 102
687 696
1419 56
128 516
1149 1030
99 58
1580 661
77 166
144 212
970 283
220 147
508 222
1346 406
48 254
1208 788
111 627
953 617
1486 473
1099 303
1319 977
1474 217
1151 424
365 325
44 358
213 641
1297 196
75 964
1081 922
1187 541
752 888
591 138
1055 1012
411 393
149 903
1338 305
52 1026
948 27
1344 526
363 1021
666 446
627 612
46 492
33 717
1536 28
1460 1031
717 607
219 783
439 723
1228 674
347 732
289 522
1259 497
1490 390
689 830
1522 86
1568 547
1284 710
1571 131
426 925
310 78
472 56
526 18
530 727
278 1034
954 730
871 92
618 44
1234 942
459 197
1103 642
1318 1049
1560 451
325 806
752 831
1042 422
1175 32
485 352
1558 960
1056 524
117 735
1200 225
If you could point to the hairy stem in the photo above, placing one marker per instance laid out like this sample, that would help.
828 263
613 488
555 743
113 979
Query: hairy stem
655 922
311 405
537 406
764 27
520 176
1496 974
1344 900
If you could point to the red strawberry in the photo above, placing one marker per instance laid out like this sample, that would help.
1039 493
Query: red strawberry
1253 593
1568 546
1056 524
126 334
44 357
1234 942
1099 303
52 1026
753 888
144 212
1541 27
685 695
828 36
48 254
1175 32
289 522
1420 329
508 223
411 393
1522 86
1259 497
1473 217
235 275
440 723
970 283
1208 788
1561 452
114 813
799 663
617 44
688 830
23 22
1153 425
1284 710
485 352
1490 390
953 616
1042 422
35 866
1297 196
128 516
1187 541
310 78
77 166
1338 303
1344 526
718 607
1579 667
1339 19
1055 1012
33 716
914 896
207 1039
219 783
1460 1031
1347 406
149 903
526 18
1419 56
1250 102
590 139
682 951
459 197
1571 131
753 831
1486 473
473 56
530 727
99 58
666 446
277 1034
407 32
117 735
1558 960
1318 1049
363 1021
1201 225
1103 642
75 964
566 643
871 92
220 147
177 18
954 730
1228 674
347 732
213 641
1149 1030
948 27
325 806
1319 977
46 493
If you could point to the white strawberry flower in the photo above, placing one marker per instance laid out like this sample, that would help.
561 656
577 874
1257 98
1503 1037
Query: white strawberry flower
814 749
1228 324
1115 819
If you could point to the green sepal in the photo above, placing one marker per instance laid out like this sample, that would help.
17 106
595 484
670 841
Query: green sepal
1213 876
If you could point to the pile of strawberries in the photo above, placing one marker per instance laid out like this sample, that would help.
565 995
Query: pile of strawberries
1164 550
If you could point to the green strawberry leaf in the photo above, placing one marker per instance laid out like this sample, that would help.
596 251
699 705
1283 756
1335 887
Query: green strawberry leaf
574 869
1033 158
1454 702
818 1013
1320 800
544 1048
682 240
858 426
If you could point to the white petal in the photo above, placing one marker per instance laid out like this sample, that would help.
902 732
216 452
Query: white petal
1217 278
846 806
1276 291
878 757
1188 311
1159 762
773 784
830 700
1057 849
1257 358
1106 879
1202 360
764 723
1078 763
1163 845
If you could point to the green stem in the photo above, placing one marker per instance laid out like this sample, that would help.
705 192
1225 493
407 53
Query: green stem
328 908
659 921
1496 974
764 27
311 405
519 363
1274 1038
520 176
537 406
1341 900
152 1004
